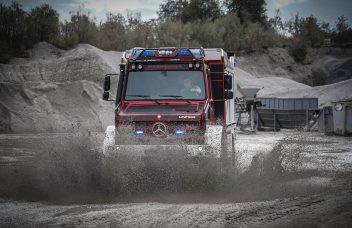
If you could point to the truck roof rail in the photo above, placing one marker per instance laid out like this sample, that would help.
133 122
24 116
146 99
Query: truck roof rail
167 52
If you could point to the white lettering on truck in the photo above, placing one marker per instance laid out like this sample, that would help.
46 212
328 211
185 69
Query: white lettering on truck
186 117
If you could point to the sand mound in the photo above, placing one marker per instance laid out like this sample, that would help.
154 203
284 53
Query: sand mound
47 63
53 107
56 91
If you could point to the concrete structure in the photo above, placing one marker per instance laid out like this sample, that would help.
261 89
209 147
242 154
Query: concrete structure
342 117
325 120
287 113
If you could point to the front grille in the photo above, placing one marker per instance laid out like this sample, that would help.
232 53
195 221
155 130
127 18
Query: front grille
192 133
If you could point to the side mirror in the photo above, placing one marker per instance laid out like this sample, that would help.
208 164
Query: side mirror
106 95
227 82
107 83
228 95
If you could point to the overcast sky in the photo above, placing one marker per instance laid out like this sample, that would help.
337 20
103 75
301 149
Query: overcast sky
324 10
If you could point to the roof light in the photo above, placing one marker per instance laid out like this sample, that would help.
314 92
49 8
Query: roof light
184 52
165 52
148 53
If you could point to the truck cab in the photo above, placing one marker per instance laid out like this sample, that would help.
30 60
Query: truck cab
172 96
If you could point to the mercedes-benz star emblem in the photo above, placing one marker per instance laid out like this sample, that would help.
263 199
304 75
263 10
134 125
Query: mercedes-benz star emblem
159 129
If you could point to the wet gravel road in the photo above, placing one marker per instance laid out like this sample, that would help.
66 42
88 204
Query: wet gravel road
285 179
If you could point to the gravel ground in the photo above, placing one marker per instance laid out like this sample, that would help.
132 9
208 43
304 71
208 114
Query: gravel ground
282 179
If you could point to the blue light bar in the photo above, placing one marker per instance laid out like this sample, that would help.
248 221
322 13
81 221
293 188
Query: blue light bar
148 53
139 132
178 132
184 52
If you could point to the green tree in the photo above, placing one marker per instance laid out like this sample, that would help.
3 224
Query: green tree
292 26
201 10
80 29
175 34
342 34
341 24
171 10
112 33
311 31
140 33
189 11
325 27
299 49
256 9
277 22
13 34
43 24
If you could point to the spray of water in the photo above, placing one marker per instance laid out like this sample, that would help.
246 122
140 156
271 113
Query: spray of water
73 170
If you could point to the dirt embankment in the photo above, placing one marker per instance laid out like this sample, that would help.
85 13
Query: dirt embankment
56 91
332 64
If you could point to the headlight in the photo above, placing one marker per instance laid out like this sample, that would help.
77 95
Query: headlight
338 107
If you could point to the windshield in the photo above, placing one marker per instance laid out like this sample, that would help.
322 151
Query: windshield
165 85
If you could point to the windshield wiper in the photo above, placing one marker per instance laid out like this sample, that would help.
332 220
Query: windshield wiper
143 96
138 95
176 96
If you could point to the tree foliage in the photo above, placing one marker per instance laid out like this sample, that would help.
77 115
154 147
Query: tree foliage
43 23
311 32
242 27
12 30
189 11
342 33
112 35
254 10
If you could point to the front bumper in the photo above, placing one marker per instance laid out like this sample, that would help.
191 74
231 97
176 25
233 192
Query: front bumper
151 150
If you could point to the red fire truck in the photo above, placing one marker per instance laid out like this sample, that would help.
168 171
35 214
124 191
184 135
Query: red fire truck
173 99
